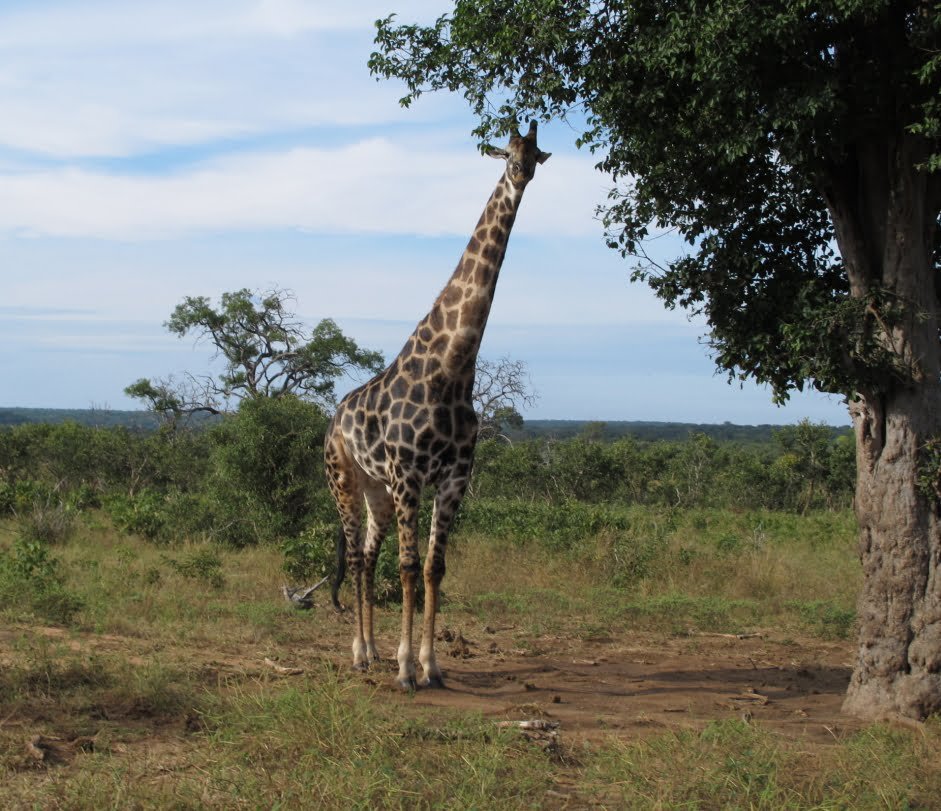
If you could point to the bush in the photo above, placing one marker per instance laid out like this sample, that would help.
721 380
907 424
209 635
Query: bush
49 523
267 469
144 513
312 554
555 526
826 619
30 580
203 565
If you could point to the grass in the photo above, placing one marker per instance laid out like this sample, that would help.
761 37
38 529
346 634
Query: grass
327 743
160 666
734 764
705 570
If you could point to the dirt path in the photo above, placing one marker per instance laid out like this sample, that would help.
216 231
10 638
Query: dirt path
629 684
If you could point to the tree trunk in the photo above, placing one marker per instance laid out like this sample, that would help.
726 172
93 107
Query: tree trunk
885 222
898 665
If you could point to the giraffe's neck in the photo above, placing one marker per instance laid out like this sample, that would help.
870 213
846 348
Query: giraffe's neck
453 329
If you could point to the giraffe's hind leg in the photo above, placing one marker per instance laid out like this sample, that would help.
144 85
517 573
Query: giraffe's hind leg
447 500
406 496
345 485
381 512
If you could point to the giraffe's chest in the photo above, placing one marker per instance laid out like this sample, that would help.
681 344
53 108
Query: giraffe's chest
426 443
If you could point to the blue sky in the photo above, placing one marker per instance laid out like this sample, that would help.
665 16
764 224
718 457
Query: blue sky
154 151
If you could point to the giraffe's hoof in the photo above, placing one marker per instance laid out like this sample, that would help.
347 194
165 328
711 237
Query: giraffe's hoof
361 667
408 685
435 682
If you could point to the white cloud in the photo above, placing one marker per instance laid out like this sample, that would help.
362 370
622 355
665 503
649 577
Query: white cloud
107 22
373 186
106 79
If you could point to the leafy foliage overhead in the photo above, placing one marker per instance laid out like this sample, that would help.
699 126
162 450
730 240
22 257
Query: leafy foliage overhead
741 126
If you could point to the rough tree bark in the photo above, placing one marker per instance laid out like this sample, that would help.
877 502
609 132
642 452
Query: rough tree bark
884 219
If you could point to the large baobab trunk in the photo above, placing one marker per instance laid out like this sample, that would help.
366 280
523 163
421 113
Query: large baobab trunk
885 215
898 666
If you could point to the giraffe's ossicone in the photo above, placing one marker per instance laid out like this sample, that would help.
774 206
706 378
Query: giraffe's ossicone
414 425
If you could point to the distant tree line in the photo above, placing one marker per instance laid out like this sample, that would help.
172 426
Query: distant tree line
257 476
802 467
515 429
237 457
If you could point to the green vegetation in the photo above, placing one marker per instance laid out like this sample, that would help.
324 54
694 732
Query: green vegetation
268 354
732 764
640 430
140 577
256 476
155 693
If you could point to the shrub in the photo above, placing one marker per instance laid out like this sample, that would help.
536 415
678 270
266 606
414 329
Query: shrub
267 469
144 513
49 522
203 565
825 619
311 554
30 579
555 526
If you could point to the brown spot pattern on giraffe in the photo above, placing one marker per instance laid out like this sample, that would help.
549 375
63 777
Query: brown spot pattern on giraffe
414 424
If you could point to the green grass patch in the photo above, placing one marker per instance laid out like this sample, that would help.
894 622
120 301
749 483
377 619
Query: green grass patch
731 764
825 619
326 743
681 612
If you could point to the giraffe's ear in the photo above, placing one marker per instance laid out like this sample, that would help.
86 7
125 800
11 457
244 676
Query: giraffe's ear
495 152
542 157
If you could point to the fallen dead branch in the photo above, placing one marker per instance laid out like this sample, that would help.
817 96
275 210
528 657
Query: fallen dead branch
749 635
281 670
533 725
300 597
542 733
51 750
752 696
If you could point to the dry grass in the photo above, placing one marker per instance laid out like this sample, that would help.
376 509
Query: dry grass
177 715
708 570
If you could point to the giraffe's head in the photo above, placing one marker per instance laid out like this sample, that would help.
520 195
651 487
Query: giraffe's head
521 156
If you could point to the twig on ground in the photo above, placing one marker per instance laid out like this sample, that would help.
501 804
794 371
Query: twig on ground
281 670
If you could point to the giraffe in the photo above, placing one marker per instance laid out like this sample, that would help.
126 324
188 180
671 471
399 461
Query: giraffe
413 425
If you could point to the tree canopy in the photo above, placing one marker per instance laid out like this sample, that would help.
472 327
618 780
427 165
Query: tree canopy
735 124
501 390
266 351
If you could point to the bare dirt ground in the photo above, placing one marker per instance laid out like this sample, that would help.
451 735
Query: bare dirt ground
627 685
633 685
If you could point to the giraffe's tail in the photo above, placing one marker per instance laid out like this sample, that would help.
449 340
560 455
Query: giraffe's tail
340 570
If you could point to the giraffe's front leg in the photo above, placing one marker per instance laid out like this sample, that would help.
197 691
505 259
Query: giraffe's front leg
409 567
447 500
